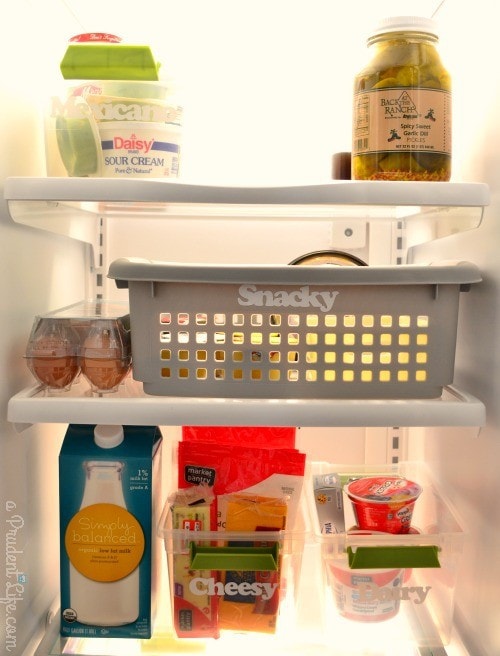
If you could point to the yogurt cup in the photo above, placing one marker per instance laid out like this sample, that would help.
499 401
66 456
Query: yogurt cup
366 595
383 503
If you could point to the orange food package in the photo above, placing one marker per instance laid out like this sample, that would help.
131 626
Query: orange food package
256 489
251 601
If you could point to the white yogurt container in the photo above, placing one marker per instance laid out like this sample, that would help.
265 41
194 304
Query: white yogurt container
366 595
139 150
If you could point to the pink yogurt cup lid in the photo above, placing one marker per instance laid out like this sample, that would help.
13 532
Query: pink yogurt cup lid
383 490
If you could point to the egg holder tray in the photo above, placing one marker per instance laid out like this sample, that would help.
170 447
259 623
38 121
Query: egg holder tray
72 339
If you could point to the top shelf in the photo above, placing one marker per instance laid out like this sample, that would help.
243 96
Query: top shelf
364 198
73 206
137 192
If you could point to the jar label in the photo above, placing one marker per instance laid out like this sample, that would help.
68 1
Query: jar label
104 542
402 120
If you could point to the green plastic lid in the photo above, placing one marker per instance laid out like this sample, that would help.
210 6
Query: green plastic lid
100 56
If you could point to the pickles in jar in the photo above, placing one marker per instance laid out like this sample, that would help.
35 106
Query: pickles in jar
402 106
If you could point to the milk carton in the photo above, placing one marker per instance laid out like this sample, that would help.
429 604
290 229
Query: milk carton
109 496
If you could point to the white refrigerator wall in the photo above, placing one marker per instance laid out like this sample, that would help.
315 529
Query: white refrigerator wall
468 466
267 90
38 271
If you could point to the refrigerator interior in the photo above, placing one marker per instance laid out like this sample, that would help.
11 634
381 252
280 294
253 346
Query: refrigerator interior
267 92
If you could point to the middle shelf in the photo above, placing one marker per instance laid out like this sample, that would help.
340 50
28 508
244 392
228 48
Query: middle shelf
131 406
383 357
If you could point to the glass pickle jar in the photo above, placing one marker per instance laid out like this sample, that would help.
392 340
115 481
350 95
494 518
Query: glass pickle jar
402 105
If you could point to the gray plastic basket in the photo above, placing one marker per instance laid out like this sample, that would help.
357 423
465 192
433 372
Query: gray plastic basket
293 332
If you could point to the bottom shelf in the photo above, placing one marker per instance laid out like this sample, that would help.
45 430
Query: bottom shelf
389 638
131 406
311 620
164 644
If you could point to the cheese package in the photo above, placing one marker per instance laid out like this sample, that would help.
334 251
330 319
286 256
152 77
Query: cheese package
236 468
194 610
239 564
251 601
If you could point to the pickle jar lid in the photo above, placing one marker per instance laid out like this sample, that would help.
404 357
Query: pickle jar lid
405 24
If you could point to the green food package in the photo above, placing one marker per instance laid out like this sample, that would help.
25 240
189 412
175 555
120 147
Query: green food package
99 56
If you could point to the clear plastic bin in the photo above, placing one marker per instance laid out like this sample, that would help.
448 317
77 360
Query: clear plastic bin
114 129
226 582
406 581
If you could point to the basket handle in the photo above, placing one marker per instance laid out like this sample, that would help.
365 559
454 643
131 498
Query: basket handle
394 556
243 558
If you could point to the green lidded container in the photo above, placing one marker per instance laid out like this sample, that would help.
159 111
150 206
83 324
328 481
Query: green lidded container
114 117
402 105
107 59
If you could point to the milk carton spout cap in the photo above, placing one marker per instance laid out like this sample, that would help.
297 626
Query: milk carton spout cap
107 437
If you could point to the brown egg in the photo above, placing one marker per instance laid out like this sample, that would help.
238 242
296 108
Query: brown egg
105 356
55 373
52 355
105 373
